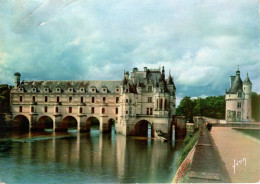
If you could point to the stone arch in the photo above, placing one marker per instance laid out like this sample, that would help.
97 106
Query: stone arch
69 122
141 128
92 121
111 123
45 122
21 122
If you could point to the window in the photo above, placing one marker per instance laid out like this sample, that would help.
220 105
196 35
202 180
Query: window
93 89
80 110
70 109
117 99
117 90
82 90
21 98
70 89
70 99
127 90
149 88
58 89
81 99
46 99
130 100
130 112
165 104
58 99
103 110
46 89
149 111
116 110
149 99
92 110
104 99
56 109
93 99
126 112
239 105
20 109
161 101
45 109
32 109
239 94
33 98
104 90
238 115
126 100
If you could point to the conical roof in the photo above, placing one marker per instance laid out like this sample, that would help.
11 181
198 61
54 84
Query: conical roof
237 84
247 80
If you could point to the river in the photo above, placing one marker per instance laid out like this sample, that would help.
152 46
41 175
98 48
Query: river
71 157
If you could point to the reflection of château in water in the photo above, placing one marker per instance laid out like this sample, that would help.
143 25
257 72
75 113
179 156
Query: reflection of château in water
96 158
140 98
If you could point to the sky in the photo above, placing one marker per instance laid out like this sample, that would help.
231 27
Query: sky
201 42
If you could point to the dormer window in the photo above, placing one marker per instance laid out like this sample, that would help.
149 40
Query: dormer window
82 90
150 88
21 90
104 89
58 90
46 90
34 90
93 89
117 90
71 90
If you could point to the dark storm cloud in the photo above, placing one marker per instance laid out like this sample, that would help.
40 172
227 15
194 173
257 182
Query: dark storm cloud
201 42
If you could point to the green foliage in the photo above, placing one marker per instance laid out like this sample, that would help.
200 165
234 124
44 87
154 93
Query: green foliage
256 106
186 108
213 106
5 98
188 144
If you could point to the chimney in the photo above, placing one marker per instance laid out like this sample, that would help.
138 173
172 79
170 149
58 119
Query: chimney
135 69
232 78
17 76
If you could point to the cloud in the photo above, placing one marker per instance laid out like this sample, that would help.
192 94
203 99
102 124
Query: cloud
200 41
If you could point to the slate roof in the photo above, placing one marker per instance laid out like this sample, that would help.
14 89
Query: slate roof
247 80
65 85
237 84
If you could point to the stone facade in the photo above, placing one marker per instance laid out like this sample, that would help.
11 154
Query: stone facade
238 99
141 98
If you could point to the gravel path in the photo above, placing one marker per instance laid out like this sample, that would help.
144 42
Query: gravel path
245 151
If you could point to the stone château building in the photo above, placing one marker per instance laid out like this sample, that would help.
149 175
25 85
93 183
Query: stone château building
238 99
141 98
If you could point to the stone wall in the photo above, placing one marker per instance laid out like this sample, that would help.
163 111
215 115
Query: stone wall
200 120
180 126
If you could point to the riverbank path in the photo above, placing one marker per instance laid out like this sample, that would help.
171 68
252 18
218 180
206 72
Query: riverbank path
240 154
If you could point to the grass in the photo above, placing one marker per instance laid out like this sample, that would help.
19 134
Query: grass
251 132
188 144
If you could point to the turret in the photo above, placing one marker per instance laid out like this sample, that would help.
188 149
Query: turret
247 85
17 76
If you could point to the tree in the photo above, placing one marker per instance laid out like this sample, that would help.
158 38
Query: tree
255 106
185 108
213 106
5 98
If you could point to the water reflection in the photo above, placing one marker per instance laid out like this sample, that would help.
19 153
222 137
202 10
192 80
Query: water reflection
91 157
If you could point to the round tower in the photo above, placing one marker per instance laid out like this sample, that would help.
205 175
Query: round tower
17 76
247 87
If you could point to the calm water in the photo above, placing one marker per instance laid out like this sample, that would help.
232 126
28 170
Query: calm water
86 158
